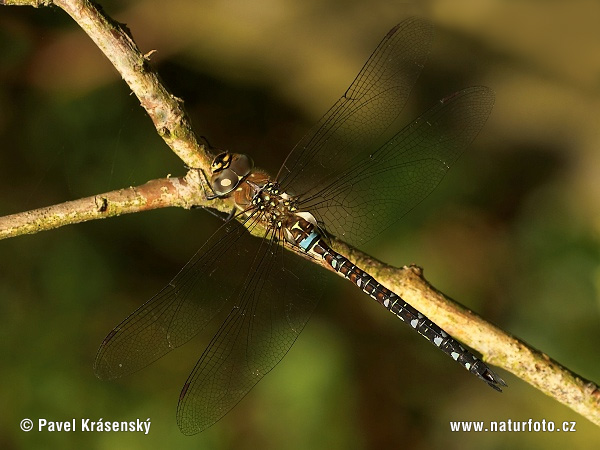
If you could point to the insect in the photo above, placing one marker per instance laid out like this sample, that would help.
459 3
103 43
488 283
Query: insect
336 180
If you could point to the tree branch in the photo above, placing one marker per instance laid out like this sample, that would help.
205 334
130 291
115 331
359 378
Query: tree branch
497 346
166 111
161 193
172 123
34 3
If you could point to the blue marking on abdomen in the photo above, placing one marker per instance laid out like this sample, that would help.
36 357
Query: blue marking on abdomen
307 243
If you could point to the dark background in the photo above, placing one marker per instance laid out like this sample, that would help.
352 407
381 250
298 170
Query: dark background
512 232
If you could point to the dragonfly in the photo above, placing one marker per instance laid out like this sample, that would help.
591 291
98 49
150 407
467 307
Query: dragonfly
338 180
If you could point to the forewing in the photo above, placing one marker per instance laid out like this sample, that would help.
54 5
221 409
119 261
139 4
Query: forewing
181 309
371 103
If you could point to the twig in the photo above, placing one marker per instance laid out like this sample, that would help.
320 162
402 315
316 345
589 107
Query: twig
171 122
34 3
498 347
115 41
161 193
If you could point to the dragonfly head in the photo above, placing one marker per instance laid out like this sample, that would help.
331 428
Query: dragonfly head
228 171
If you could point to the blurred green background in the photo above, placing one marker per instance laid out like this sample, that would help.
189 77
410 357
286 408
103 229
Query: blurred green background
512 232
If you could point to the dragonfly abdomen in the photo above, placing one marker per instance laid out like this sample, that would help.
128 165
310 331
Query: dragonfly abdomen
308 239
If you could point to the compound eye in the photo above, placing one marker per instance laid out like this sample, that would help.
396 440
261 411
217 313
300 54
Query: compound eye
221 162
224 181
241 164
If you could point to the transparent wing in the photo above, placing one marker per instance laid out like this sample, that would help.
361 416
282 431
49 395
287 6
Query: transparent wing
181 309
371 103
375 191
280 292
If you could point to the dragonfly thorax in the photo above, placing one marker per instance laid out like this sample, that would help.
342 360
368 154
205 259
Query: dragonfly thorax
275 207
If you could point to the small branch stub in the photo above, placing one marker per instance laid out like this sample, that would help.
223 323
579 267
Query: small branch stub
102 204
